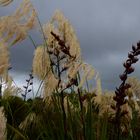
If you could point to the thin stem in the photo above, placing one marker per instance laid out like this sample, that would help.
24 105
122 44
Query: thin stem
33 42
81 107
82 113
62 99
1 89
87 85
42 82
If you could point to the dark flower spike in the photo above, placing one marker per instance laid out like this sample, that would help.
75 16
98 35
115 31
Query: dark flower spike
120 92
28 84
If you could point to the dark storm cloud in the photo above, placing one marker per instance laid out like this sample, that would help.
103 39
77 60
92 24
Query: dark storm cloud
106 30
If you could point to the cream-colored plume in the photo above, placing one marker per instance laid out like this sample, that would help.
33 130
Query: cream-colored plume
9 89
50 85
4 58
5 2
85 70
14 28
2 124
61 26
41 63
135 86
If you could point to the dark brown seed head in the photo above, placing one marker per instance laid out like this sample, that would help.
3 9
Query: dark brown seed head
130 55
134 59
133 48
130 70
123 77
127 64
138 45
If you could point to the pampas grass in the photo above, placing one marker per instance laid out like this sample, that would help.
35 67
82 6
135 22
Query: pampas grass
66 109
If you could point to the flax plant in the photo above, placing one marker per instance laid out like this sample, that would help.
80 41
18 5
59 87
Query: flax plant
120 92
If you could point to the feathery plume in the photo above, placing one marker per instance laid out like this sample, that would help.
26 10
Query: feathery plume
5 2
87 73
14 28
31 118
4 55
2 125
41 63
10 90
61 26
85 70
50 85
135 86
105 101
98 85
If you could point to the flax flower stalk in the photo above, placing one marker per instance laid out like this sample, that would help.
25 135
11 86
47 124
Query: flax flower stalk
120 92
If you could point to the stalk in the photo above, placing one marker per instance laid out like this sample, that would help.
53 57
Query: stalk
120 91
81 109
62 99
82 113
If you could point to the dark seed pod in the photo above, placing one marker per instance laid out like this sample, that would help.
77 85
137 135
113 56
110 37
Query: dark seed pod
31 76
123 113
117 93
126 86
23 95
27 80
133 48
113 107
130 55
25 87
31 83
130 70
116 98
29 90
137 53
123 77
138 45
9 68
127 64
134 59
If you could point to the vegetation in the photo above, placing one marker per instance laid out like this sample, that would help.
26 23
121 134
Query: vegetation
64 107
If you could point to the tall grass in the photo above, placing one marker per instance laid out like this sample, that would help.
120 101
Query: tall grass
64 107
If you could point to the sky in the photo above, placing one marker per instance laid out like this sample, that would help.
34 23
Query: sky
106 30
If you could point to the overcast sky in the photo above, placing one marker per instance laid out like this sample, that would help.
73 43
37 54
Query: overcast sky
106 30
